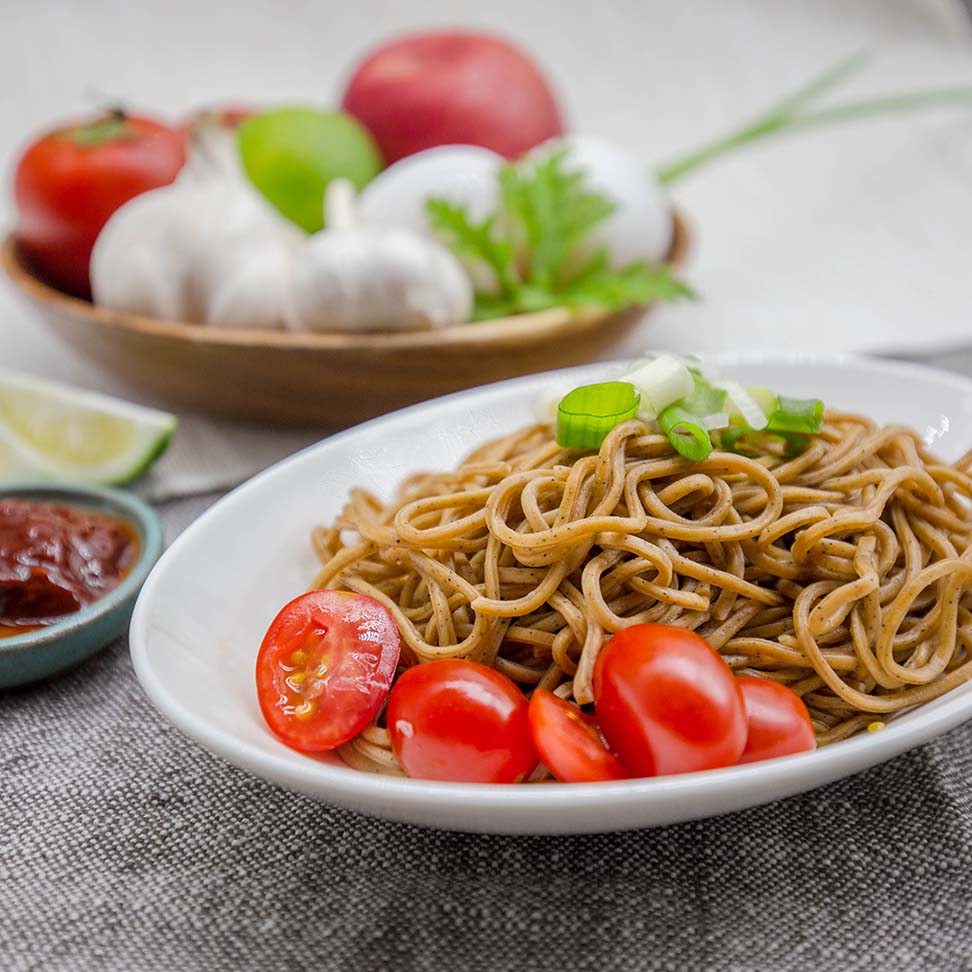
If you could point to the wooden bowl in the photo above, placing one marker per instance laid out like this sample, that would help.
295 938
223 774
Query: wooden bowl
328 379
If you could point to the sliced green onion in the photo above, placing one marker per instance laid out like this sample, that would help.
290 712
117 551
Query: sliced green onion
586 415
717 420
747 442
743 408
803 415
687 436
795 443
705 399
729 439
765 398
661 382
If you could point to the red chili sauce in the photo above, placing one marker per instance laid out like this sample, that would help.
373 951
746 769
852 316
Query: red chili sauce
55 560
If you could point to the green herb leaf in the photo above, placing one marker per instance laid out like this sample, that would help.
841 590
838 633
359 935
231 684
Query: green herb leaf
597 285
475 241
532 244
552 211
488 307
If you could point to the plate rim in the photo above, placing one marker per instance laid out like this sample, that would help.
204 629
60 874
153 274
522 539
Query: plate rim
399 797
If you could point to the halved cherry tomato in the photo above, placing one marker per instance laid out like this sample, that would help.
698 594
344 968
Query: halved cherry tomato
460 721
667 703
779 724
568 742
325 667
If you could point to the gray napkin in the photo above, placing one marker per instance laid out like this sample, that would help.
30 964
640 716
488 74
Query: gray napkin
124 846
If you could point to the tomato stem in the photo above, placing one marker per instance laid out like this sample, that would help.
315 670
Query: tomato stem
112 127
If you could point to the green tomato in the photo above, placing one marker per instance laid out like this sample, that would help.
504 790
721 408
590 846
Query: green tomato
291 154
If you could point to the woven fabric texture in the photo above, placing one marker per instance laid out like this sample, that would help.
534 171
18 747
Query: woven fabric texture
123 846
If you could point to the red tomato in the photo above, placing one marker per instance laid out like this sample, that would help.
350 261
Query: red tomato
568 742
70 181
325 667
779 723
667 703
459 721
442 89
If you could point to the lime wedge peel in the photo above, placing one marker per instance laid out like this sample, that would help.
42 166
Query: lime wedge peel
54 432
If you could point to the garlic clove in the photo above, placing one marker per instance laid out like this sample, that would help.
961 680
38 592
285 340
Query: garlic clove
206 249
129 268
462 174
436 290
368 279
256 294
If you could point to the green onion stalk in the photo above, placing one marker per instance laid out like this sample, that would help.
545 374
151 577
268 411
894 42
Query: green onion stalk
797 112
791 422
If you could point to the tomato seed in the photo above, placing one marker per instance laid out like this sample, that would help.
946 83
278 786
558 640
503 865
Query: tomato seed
305 710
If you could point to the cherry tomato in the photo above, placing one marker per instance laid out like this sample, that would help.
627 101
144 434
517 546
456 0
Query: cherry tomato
325 667
667 703
779 723
71 180
459 721
568 742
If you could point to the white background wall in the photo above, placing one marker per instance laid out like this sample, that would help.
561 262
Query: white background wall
852 238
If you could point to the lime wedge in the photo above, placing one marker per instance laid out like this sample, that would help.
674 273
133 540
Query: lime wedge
53 431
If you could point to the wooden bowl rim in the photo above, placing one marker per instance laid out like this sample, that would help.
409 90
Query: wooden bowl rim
515 330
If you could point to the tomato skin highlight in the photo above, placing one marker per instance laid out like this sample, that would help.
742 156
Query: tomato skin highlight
324 668
778 721
568 742
667 703
461 722
70 181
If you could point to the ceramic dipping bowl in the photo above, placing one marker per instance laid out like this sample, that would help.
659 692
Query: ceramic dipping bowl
48 650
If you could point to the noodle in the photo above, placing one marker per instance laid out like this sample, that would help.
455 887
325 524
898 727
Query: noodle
844 573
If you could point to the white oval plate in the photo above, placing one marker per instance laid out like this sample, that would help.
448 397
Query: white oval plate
205 607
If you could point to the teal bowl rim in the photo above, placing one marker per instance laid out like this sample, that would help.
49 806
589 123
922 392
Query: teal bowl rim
126 506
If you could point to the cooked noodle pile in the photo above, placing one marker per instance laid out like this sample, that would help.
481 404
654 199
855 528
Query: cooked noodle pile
845 573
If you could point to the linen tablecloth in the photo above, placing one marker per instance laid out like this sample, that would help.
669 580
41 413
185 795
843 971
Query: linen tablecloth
124 846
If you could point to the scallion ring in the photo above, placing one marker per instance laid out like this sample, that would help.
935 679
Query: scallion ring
801 415
685 433
587 414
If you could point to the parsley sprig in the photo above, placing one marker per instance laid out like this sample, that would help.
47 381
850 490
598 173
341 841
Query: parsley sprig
534 241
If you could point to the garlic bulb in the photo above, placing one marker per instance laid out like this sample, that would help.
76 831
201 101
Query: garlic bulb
466 175
362 278
640 228
463 174
208 249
